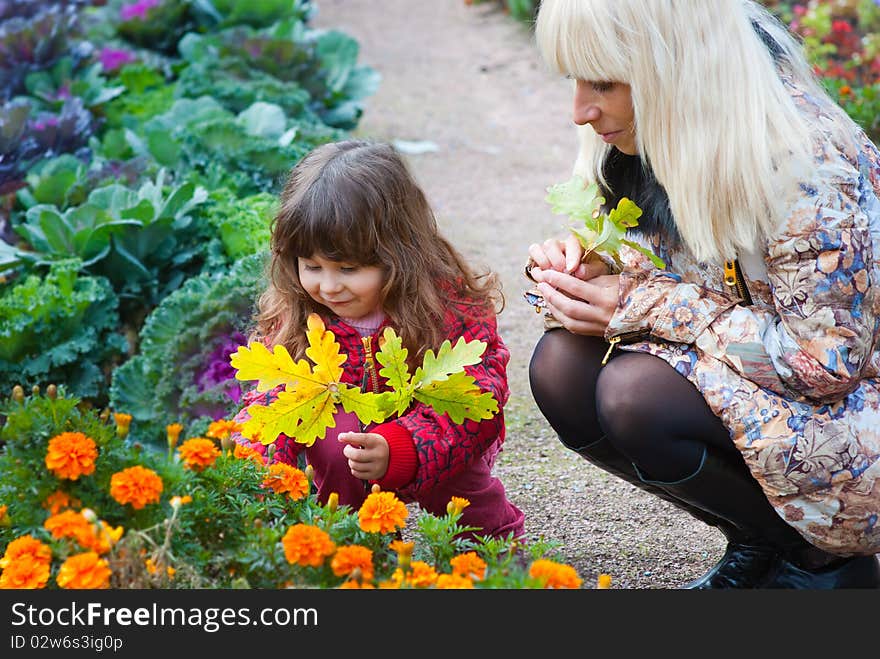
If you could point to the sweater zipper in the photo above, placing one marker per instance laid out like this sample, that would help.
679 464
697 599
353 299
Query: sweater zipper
371 378
733 277
625 337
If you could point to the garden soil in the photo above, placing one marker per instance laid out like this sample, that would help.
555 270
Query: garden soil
486 128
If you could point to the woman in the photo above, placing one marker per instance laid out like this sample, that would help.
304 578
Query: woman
744 387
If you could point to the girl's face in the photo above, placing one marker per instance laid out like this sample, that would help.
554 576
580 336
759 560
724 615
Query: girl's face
608 108
348 290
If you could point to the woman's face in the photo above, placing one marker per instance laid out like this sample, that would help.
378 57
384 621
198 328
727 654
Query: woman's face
607 107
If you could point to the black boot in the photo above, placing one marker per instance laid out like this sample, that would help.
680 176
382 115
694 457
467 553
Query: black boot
745 562
728 490
854 572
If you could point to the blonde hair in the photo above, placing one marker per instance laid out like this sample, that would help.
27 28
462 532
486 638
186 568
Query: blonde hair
357 202
714 119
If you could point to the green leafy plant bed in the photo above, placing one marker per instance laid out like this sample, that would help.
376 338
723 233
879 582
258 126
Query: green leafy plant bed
84 504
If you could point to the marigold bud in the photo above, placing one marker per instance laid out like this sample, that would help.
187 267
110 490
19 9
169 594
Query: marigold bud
375 489
310 473
35 390
89 514
18 393
333 502
52 391
227 443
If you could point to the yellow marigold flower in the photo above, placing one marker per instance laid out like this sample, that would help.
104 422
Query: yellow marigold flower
306 545
382 512
177 502
84 571
71 455
150 566
27 547
351 557
353 584
284 479
25 572
198 453
58 501
123 423
222 429
603 582
456 505
554 575
453 582
170 571
71 524
104 537
172 434
402 548
136 485
469 565
3 510
247 453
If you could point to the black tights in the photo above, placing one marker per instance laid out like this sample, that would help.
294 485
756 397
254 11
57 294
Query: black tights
648 411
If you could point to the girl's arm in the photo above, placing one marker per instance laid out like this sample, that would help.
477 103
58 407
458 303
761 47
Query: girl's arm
823 274
440 448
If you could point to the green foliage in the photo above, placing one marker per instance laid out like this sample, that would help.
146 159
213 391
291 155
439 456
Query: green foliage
595 230
140 240
59 329
183 341
243 225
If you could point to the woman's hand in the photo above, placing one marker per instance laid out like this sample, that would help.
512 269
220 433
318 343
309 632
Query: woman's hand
563 256
581 306
367 454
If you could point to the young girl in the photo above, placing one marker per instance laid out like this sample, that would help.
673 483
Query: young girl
356 242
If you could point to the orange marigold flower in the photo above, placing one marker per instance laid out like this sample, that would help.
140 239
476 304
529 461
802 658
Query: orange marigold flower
402 548
25 573
306 545
285 479
469 565
453 582
346 559
58 501
353 584
845 90
71 455
71 524
603 582
136 485
247 453
222 429
198 453
27 547
420 575
554 575
456 505
3 510
382 512
84 571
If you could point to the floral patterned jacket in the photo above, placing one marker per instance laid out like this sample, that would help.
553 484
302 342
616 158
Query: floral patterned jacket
794 375
441 448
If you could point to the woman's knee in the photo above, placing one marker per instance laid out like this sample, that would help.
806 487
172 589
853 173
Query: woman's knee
561 360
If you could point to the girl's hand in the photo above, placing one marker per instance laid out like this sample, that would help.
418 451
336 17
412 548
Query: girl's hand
582 307
367 454
563 256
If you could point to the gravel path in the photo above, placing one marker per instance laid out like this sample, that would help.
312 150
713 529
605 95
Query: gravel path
465 85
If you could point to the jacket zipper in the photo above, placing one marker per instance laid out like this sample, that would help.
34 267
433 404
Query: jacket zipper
733 277
626 337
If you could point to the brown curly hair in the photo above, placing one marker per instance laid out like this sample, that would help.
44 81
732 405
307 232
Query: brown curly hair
356 201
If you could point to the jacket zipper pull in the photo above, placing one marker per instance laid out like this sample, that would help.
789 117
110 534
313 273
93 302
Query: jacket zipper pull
613 341
730 273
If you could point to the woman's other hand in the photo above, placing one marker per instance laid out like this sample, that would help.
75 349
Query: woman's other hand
582 306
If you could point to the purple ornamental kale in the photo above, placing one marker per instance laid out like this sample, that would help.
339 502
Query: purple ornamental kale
218 370
138 9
